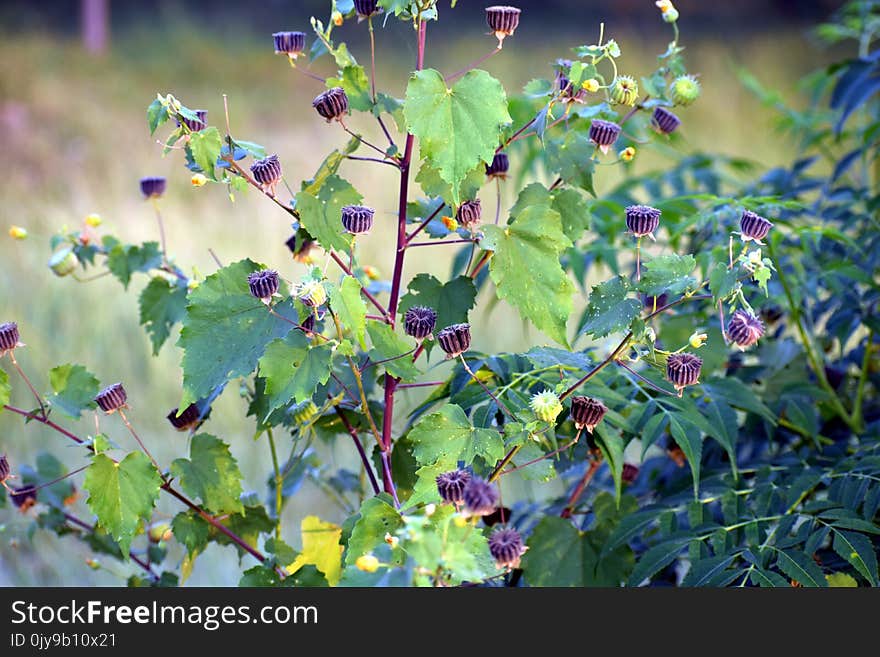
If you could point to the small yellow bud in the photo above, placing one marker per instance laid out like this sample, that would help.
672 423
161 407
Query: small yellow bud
17 233
367 563
460 522
93 220
391 540
94 564
450 223
698 339
337 18
192 285
627 154
591 85
371 272
199 180
665 5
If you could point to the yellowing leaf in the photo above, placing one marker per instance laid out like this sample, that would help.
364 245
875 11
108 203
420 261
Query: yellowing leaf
320 548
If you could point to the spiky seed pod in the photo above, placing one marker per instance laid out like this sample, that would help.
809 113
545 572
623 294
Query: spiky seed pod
455 339
112 398
683 370
507 547
187 420
480 497
4 468
153 186
264 284
366 8
664 121
332 104
753 227
642 220
304 412
267 172
198 124
9 338
289 43
357 219
312 294
63 262
419 322
685 89
604 134
546 405
625 90
24 497
629 474
499 167
451 485
503 21
587 412
744 329
469 214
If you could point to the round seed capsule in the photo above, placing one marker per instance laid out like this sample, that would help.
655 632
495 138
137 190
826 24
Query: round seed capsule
198 124
469 214
332 104
499 167
304 412
664 121
451 485
187 420
625 90
419 322
503 21
744 329
683 370
4 468
264 283
546 405
480 497
685 90
753 226
366 7
455 339
642 220
587 412
8 337
63 262
312 294
289 43
357 219
507 547
267 172
153 186
112 398
604 134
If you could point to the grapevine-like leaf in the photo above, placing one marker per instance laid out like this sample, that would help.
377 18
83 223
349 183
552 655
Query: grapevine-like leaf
211 473
226 330
205 147
157 114
377 517
122 494
722 281
609 310
572 158
321 213
388 346
73 389
320 548
526 271
357 87
162 305
191 531
293 369
558 555
459 127
347 302
124 260
567 201
452 301
667 273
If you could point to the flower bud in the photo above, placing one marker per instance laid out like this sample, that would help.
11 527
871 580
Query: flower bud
503 21
393 541
93 220
289 43
312 294
450 223
63 262
546 406
112 398
664 121
337 18
642 220
187 420
371 272
196 125
753 227
499 167
697 339
587 412
625 90
744 329
159 531
304 412
627 154
469 214
267 172
199 180
669 12
591 85
450 486
683 370
332 104
367 563
9 338
507 547
366 8
604 134
357 219
419 322
677 455
264 284
629 473
480 497
455 339
685 90
17 233
153 186
24 497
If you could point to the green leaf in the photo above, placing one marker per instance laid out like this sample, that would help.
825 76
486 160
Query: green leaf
321 212
73 389
558 555
377 517
688 438
723 421
631 526
458 128
390 347
800 567
434 186
609 311
667 273
293 369
452 301
612 446
122 494
739 395
226 330
124 260
191 531
526 270
702 572
5 389
841 580
205 147
567 201
722 281
157 114
655 559
859 551
357 87
347 302
572 158
162 305
211 474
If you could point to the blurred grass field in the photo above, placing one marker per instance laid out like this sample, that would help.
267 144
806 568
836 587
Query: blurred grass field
76 142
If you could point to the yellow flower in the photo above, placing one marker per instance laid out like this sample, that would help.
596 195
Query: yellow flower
367 563
591 85
93 220
460 521
17 233
199 180
337 18
450 223
627 154
698 339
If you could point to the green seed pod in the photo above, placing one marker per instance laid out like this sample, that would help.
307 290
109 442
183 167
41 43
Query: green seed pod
63 262
546 406
685 90
304 412
625 90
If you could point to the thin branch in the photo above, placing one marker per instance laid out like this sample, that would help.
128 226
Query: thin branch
545 456
454 76
440 243
427 384
643 379
373 159
28 382
425 223
139 441
360 448
580 488
73 520
279 484
362 140
161 225
500 403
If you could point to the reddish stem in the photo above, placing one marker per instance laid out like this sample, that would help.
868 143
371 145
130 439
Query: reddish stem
580 488
73 520
360 448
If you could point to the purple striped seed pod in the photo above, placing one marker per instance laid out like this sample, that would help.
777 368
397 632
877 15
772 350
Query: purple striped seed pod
480 497
366 8
753 227
196 125
455 339
499 167
153 186
24 497
744 329
642 220
332 104
357 219
683 370
308 324
629 473
187 420
587 412
469 214
9 338
503 21
267 172
4 468
290 243
451 486
604 134
112 398
264 284
507 547
419 322
289 43
664 121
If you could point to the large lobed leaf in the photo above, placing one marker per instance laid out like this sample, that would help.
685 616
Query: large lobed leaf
320 212
211 474
609 310
162 305
73 389
293 369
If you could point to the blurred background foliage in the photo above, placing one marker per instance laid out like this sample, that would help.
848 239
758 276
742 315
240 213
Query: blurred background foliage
75 141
